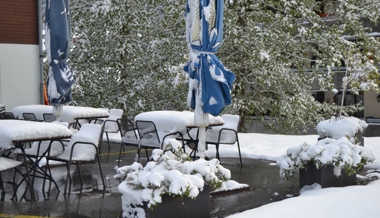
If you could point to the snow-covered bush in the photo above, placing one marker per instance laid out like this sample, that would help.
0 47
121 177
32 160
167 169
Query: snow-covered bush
338 147
172 173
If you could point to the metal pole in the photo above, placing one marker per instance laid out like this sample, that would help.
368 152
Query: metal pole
41 56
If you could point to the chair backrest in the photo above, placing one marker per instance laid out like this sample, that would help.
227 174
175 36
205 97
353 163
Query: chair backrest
49 117
128 132
2 108
29 116
231 121
88 133
110 124
148 133
8 115
229 128
115 113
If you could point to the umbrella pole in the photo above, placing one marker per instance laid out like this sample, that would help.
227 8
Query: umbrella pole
58 112
202 142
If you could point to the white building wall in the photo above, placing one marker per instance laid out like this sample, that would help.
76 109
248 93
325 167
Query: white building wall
372 107
19 75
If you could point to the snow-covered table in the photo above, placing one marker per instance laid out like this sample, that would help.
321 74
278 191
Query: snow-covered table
175 121
13 133
71 114
179 121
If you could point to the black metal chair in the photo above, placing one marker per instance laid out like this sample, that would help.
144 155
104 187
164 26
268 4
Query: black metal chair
226 134
5 165
128 133
49 117
110 123
29 116
8 116
150 138
2 108
34 154
82 148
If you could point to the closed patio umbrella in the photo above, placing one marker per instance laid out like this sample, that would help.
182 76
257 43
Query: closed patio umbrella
57 42
210 83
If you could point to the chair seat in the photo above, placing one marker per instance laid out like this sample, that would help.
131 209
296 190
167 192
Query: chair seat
226 134
112 127
82 152
231 122
130 140
7 163
55 149
82 148
227 137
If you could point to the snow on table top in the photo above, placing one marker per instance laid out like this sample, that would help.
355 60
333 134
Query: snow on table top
173 121
70 113
18 130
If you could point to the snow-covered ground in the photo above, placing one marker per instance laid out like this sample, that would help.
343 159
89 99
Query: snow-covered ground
354 201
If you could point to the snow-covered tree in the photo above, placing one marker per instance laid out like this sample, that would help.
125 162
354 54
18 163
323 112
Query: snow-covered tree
129 54
278 48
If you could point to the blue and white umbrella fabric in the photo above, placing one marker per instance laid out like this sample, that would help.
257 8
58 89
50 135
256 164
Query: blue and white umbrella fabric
57 42
210 83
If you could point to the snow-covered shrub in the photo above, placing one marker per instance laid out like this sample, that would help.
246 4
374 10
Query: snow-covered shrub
172 173
338 147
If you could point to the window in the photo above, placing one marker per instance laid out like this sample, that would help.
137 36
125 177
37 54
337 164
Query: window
351 99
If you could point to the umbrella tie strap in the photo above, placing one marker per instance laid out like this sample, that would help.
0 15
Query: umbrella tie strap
205 52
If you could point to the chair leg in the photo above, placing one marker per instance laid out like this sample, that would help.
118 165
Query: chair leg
147 154
2 189
68 177
30 182
108 141
195 150
80 177
217 151
241 163
14 184
2 185
121 148
101 172
138 153
52 180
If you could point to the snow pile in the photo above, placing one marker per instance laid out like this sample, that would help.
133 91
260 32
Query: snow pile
341 127
337 148
169 173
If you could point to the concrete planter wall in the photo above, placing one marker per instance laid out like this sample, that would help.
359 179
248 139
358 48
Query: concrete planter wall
184 208
325 177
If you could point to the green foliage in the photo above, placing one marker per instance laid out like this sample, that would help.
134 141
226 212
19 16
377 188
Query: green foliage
129 55
277 49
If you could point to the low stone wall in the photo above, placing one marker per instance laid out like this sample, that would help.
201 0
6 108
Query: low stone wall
373 130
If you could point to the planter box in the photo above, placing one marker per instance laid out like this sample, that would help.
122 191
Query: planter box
184 208
325 177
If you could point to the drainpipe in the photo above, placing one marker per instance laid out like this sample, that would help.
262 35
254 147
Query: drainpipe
41 56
